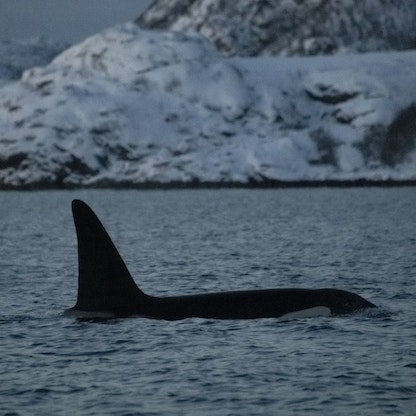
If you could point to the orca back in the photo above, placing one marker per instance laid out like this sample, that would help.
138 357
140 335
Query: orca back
106 288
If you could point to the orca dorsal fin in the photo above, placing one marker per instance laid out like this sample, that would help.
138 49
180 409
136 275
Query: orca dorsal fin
104 282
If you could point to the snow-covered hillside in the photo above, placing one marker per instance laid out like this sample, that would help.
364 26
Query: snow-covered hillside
133 107
290 27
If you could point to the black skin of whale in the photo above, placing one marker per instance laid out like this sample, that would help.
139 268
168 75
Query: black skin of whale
105 286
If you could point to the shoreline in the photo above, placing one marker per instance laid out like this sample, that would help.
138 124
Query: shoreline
196 184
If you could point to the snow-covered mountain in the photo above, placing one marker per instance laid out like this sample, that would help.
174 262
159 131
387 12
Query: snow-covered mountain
290 27
129 107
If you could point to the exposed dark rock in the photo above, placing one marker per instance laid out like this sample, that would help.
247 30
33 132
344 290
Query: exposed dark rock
325 145
290 27
12 161
372 144
401 137
330 96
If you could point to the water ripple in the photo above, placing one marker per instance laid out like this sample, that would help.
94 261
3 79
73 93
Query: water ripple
195 241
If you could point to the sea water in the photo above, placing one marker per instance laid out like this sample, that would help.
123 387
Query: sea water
195 241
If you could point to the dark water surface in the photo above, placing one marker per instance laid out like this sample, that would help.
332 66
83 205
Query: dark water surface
177 242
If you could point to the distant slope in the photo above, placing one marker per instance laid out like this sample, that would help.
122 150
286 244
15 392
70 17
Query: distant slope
289 27
19 55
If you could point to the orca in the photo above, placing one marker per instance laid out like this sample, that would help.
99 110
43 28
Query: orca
106 289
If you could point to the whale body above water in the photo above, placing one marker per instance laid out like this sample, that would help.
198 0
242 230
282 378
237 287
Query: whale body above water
107 289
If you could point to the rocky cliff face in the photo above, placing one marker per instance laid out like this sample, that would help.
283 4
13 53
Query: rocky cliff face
290 27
